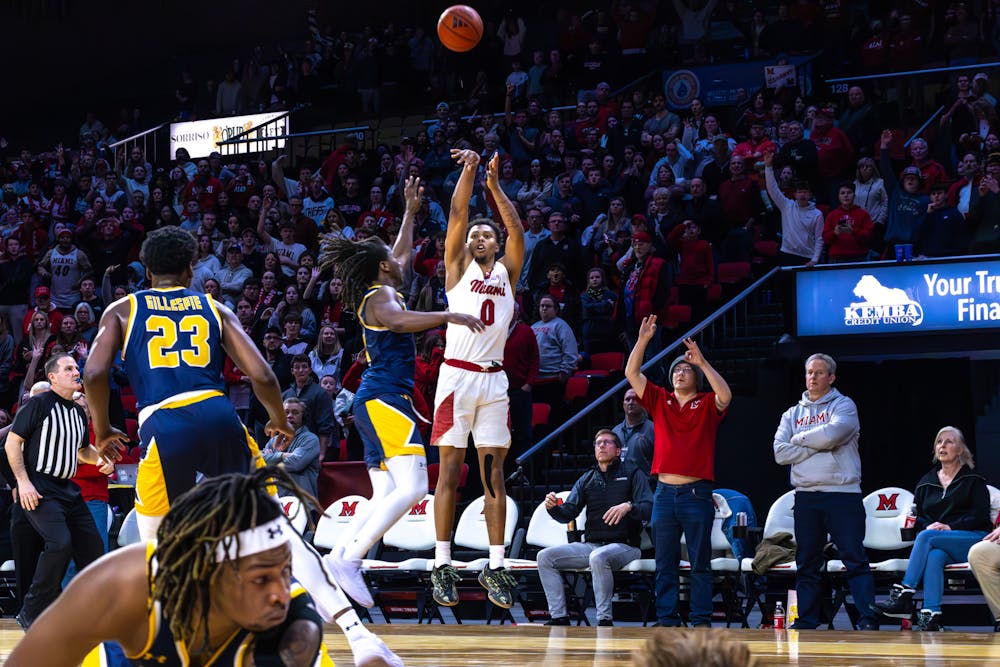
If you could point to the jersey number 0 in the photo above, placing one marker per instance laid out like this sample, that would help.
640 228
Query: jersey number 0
161 346
488 312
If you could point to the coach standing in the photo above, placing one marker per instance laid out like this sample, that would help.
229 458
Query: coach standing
685 423
818 436
47 437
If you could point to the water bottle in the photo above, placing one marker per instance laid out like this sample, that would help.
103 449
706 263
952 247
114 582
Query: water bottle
779 616
911 517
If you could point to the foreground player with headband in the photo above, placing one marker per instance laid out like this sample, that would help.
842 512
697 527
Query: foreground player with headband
216 590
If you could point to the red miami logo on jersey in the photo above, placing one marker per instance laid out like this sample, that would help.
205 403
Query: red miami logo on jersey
886 503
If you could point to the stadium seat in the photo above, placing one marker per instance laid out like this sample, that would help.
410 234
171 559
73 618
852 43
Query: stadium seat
338 515
297 515
675 316
576 387
129 532
731 273
540 414
400 585
544 531
608 361
765 248
779 577
342 478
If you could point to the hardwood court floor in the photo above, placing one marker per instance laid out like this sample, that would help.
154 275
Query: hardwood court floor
454 645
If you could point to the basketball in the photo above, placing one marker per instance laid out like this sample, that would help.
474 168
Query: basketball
460 28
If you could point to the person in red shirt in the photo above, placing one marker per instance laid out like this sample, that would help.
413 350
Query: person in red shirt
43 304
847 228
834 152
931 170
753 149
685 422
520 363
697 271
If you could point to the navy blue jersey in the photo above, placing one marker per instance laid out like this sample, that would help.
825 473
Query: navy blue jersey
173 344
391 356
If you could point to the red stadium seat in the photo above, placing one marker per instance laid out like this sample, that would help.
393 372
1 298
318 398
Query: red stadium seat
676 316
576 387
731 273
765 248
540 414
343 478
608 361
714 292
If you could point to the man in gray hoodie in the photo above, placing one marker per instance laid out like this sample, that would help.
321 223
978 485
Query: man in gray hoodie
818 437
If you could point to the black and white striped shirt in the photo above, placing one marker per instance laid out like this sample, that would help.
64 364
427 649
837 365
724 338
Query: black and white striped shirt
53 429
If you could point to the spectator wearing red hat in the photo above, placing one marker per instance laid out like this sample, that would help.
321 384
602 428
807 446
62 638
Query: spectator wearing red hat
43 304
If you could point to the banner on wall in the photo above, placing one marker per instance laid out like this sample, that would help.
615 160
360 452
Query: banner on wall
201 137
917 297
732 83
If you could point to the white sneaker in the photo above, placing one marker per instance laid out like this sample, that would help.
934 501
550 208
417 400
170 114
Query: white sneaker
370 651
347 574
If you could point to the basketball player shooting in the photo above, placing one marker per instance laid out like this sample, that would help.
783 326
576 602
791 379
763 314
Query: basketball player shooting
472 389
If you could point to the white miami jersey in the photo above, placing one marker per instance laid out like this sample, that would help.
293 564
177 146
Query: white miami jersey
491 299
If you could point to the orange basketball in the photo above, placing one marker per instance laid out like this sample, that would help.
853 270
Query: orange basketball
460 28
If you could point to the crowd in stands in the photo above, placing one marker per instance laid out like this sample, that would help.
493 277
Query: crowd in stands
629 206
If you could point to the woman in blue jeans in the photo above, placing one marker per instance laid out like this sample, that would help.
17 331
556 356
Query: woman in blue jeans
953 513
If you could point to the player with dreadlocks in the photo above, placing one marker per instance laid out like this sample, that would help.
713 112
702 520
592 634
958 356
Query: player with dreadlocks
383 405
216 590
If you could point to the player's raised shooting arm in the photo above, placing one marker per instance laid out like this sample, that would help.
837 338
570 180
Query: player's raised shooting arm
513 257
458 218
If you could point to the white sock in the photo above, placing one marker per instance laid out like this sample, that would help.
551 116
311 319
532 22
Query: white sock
408 486
382 486
496 556
352 626
442 553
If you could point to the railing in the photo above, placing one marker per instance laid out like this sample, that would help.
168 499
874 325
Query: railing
723 324
260 131
147 136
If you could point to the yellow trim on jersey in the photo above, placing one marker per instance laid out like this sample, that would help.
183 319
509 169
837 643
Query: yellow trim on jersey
178 401
150 488
393 428
130 323
186 660
215 311
361 307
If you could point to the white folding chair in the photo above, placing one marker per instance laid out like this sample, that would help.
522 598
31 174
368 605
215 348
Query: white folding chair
129 532
544 531
341 513
413 532
470 533
297 515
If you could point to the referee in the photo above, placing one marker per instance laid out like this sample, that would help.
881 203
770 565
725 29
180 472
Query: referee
48 436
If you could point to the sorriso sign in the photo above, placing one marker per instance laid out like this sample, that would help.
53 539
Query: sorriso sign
201 137
914 297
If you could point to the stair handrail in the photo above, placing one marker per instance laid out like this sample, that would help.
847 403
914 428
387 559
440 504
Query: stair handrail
621 384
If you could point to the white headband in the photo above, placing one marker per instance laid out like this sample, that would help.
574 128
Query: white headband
252 541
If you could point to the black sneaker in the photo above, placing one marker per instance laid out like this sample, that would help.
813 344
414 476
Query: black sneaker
500 585
558 620
444 590
899 604
23 620
928 621
605 623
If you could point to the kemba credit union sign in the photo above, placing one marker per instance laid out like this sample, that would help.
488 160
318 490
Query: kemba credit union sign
912 297
201 137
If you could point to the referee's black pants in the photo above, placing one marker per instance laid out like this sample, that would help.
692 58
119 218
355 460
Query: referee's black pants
68 530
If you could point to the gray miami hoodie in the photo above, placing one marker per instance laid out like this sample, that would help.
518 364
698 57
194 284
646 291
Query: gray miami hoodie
820 441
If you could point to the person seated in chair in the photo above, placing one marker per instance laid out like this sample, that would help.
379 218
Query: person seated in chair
953 514
617 498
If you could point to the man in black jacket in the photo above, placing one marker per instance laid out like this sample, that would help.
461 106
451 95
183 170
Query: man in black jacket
617 498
